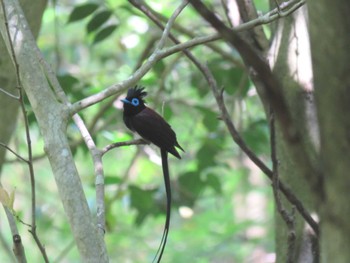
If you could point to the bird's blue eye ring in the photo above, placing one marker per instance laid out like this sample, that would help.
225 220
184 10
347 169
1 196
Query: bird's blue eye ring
135 102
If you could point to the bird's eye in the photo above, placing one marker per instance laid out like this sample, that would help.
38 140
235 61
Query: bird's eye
135 102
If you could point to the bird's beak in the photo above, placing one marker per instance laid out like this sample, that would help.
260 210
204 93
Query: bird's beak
126 101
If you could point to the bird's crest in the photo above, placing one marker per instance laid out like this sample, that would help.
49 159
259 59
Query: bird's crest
136 92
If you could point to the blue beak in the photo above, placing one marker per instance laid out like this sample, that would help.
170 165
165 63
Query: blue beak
126 101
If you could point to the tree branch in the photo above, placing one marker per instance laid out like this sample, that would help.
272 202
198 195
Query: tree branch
138 74
272 85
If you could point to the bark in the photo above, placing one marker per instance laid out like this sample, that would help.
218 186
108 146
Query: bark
289 57
330 42
52 119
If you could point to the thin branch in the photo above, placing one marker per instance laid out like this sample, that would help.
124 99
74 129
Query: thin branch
12 151
159 19
99 173
240 142
18 248
9 94
121 144
272 85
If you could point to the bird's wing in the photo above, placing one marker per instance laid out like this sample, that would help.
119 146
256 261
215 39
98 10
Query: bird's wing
152 127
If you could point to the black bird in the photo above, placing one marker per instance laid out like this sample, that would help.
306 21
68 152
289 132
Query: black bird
153 128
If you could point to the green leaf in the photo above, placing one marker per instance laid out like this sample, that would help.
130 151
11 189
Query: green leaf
104 33
98 20
82 11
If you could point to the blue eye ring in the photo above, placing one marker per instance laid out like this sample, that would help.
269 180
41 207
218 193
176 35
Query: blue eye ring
135 102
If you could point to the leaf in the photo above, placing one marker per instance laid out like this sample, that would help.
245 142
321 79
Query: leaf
98 20
5 198
104 33
82 11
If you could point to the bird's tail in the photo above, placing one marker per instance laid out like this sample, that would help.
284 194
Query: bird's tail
162 244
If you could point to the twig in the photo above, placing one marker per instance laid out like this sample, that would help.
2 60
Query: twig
29 145
288 218
99 173
121 144
12 151
9 94
18 248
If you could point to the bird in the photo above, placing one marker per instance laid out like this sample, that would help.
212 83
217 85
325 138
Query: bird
153 128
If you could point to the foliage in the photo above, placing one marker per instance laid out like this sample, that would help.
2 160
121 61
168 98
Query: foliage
228 204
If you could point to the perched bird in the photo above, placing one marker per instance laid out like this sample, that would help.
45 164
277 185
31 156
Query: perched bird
153 128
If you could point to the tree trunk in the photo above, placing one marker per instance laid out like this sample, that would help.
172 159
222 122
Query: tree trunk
330 43
289 57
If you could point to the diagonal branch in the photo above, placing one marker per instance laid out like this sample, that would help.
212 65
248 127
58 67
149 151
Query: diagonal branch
272 85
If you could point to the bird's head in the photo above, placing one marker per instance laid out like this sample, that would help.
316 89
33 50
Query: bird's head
134 103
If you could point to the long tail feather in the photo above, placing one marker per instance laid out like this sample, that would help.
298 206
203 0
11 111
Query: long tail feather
162 244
